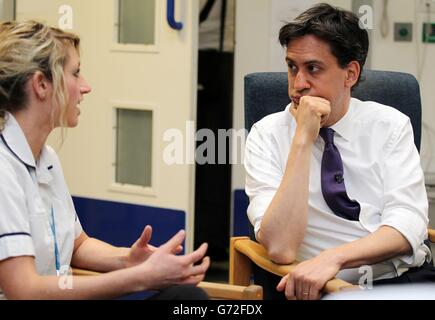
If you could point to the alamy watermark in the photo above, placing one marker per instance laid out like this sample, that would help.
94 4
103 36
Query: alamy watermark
65 281
205 146
66 19
366 17
226 146
366 280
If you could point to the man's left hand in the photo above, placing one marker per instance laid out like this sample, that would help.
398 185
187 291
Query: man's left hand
307 280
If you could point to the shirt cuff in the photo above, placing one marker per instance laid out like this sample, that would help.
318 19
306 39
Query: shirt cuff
413 228
257 208
77 228
16 246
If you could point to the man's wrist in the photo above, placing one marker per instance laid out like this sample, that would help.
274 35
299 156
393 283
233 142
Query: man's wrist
337 256
124 258
303 138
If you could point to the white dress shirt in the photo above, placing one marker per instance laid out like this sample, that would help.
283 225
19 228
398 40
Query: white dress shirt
28 193
382 172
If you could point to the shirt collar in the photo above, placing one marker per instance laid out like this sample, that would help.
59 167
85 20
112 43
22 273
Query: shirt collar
44 167
344 126
16 142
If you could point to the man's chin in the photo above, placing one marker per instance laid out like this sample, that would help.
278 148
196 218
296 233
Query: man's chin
325 123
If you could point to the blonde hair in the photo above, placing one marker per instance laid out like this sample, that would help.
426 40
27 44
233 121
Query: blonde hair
28 47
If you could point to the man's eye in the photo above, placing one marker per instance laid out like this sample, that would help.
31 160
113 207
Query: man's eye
313 69
292 68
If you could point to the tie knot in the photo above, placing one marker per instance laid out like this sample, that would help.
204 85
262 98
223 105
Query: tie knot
327 135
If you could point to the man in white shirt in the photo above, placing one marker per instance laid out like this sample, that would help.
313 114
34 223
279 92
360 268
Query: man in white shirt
381 177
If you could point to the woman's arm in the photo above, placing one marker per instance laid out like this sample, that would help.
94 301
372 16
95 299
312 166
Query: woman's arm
19 279
96 255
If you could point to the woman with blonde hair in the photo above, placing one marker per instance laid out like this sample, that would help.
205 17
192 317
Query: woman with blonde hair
40 234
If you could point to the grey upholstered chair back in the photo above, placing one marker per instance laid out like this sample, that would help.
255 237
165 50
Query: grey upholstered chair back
267 93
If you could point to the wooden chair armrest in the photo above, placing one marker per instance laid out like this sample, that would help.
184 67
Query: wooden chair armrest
258 254
214 290
431 233
232 292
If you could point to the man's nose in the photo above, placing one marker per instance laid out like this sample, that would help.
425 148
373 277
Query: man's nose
300 82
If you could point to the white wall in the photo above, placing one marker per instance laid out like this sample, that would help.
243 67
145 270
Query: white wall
403 56
6 10
413 57
251 55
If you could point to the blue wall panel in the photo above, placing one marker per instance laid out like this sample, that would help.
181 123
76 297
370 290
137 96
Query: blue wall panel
241 221
121 224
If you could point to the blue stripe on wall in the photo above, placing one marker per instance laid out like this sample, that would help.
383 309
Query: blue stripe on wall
241 221
121 224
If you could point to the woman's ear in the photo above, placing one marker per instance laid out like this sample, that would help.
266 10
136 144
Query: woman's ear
40 85
353 72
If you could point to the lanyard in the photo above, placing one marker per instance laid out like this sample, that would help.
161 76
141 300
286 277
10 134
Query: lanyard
56 248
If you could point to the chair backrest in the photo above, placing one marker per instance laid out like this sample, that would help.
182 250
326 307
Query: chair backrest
267 93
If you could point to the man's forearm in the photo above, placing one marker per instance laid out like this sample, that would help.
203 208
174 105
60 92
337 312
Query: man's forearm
283 226
384 244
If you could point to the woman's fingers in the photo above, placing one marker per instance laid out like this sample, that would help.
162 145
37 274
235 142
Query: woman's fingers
172 244
196 255
200 268
145 237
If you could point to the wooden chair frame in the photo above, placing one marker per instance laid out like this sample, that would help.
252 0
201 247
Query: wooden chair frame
217 291
244 252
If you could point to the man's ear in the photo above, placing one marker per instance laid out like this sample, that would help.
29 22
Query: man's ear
353 72
40 85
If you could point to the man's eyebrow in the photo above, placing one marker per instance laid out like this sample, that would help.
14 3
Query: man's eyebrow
289 60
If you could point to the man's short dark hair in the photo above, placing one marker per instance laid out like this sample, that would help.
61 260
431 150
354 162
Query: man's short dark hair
338 27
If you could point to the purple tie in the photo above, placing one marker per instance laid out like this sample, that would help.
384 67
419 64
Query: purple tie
333 188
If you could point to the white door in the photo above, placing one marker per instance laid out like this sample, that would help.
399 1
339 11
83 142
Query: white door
145 89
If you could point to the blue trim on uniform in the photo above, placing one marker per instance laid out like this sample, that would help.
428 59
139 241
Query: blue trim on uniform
241 221
16 156
121 224
15 234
